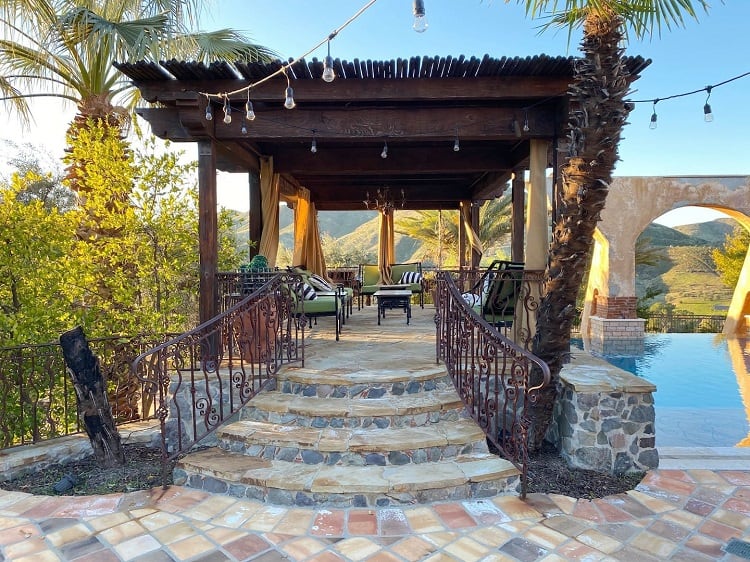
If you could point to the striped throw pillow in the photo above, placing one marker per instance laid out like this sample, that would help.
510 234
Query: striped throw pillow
305 291
410 277
320 284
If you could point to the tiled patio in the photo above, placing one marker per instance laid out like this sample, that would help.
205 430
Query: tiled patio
675 514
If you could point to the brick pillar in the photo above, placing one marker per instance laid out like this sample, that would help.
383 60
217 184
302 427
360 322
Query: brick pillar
616 307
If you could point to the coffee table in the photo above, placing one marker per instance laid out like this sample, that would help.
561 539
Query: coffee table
393 298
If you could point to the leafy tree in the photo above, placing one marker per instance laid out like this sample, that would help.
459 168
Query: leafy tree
730 258
47 186
598 113
36 245
345 255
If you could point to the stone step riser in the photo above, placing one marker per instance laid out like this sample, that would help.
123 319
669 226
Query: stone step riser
348 422
374 390
311 456
276 496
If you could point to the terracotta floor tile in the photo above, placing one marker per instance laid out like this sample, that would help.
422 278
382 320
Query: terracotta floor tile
158 520
545 537
736 477
485 512
68 535
206 510
669 530
578 551
18 533
668 473
393 522
107 521
467 550
236 514
706 476
655 505
719 531
247 547
174 533
176 498
515 508
295 522
88 506
192 547
706 546
329 523
454 515
136 547
322 557
413 549
100 556
543 504
684 519
623 532
25 548
362 522
491 536
356 548
303 548
612 513
739 506
523 550
731 518
653 544
423 520
588 511
383 557
265 519
598 540
699 507
664 483
442 538
121 533
222 535
565 503
568 526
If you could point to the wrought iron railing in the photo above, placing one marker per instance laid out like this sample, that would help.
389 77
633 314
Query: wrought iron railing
685 323
515 316
496 379
37 398
197 381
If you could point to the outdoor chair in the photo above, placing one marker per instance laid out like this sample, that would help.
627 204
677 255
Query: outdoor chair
409 274
495 295
369 281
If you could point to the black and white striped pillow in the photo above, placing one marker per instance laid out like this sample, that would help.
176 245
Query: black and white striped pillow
410 277
320 284
305 291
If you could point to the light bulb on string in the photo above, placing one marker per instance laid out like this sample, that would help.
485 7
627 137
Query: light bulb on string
209 115
243 129
708 116
384 152
420 24
456 144
314 144
289 94
227 111
652 125
328 74
526 122
249 111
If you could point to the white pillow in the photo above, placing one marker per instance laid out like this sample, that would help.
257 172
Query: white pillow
410 277
320 284
471 299
305 291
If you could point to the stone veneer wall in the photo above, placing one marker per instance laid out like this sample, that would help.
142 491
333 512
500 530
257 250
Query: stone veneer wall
604 420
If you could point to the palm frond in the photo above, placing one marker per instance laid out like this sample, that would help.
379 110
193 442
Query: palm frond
226 44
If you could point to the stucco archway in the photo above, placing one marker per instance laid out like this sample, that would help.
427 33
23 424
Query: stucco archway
632 204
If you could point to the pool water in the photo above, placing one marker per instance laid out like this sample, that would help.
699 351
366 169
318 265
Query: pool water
703 387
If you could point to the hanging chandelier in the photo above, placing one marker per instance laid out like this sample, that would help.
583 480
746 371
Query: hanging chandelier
383 201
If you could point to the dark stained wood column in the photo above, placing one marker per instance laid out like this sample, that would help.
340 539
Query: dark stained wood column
518 187
476 256
255 215
207 227
463 216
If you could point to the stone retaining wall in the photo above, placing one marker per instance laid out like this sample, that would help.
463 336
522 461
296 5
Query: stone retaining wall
604 420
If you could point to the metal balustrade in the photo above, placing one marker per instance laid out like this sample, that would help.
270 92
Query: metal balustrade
200 379
496 379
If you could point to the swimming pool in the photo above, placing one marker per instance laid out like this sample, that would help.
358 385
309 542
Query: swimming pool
703 387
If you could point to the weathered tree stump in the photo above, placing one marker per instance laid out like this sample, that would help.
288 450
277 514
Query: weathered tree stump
91 393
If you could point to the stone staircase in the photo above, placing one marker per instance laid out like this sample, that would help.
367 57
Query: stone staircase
354 432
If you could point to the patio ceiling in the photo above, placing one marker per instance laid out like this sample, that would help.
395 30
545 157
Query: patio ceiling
418 106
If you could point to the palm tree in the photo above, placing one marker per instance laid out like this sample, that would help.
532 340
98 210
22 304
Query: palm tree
598 113
438 231
65 49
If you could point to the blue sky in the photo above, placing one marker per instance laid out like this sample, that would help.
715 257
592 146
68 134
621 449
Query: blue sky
684 59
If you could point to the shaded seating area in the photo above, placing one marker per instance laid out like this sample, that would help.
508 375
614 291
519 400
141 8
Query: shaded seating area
407 274
313 296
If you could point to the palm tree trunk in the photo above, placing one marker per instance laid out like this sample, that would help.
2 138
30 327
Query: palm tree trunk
597 116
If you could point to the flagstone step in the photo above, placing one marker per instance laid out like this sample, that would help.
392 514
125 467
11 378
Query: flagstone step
284 483
392 411
353 447
344 383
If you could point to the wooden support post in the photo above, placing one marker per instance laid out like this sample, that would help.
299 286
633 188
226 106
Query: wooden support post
476 255
255 218
91 394
518 188
208 231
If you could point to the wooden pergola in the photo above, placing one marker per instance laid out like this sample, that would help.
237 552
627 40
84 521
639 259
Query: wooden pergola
422 108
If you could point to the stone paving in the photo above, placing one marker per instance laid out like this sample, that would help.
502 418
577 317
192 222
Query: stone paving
689 514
